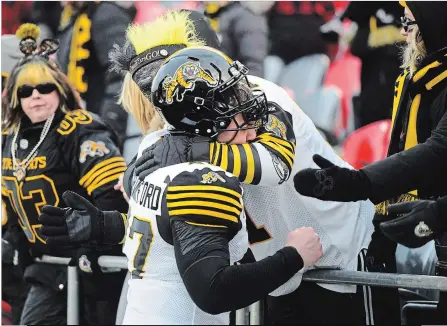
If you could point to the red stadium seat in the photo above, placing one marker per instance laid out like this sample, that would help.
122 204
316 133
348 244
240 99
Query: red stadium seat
367 144
6 314
345 74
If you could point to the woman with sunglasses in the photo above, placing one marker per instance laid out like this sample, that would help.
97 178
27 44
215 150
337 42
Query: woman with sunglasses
417 154
50 144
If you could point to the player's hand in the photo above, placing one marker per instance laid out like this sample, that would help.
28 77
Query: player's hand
119 186
307 243
332 182
77 224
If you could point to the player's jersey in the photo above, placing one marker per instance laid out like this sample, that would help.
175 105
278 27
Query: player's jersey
272 212
79 153
198 193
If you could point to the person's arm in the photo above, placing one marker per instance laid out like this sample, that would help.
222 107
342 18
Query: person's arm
267 161
210 279
398 174
411 169
94 158
201 232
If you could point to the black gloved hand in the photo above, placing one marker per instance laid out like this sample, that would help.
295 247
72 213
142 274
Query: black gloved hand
169 150
78 224
332 183
381 253
149 161
417 224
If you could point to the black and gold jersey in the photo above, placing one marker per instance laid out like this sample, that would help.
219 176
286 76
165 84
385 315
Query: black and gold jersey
203 197
79 154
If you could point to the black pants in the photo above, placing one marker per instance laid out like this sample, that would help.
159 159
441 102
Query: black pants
14 290
311 304
46 303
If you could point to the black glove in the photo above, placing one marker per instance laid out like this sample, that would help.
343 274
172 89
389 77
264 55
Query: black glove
417 224
79 223
149 161
332 183
169 150
381 254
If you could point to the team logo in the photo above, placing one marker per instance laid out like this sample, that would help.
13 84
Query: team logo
422 230
277 127
91 148
211 177
184 80
85 265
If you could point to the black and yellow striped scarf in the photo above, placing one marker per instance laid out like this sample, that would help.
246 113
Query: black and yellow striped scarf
412 101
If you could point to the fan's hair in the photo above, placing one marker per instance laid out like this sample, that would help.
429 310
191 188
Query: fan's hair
174 27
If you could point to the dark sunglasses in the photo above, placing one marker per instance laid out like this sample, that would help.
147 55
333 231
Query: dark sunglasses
25 91
406 22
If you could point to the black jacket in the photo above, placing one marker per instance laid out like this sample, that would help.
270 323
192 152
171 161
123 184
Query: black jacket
375 44
85 42
79 153
418 148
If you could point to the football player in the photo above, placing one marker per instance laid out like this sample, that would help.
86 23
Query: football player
50 144
284 210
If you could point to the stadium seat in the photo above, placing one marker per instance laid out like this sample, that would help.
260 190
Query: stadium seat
304 76
367 144
273 66
345 74
6 313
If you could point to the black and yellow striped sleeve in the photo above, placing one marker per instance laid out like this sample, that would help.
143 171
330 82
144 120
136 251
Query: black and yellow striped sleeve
271 154
102 173
205 198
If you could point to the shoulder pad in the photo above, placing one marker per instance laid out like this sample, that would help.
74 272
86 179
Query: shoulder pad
205 195
74 120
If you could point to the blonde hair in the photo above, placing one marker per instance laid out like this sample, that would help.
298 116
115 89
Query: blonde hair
134 102
414 52
174 27
35 70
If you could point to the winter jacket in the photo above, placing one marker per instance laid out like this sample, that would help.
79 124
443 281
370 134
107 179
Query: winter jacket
86 37
243 34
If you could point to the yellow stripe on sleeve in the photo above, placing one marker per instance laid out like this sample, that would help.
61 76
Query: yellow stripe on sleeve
99 166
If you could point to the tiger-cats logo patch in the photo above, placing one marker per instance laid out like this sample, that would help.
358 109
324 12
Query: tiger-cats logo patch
92 148
184 80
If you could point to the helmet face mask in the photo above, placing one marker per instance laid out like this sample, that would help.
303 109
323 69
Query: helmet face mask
200 91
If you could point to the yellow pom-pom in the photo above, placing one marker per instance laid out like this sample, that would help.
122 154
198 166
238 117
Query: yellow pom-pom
28 30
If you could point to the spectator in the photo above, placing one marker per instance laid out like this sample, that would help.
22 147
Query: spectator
14 289
51 145
294 28
242 32
375 44
87 32
417 152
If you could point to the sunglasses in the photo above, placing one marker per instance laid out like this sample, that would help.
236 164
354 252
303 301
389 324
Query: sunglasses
25 91
406 22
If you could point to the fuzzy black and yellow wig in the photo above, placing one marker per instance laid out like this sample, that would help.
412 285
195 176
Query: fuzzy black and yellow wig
33 69
139 59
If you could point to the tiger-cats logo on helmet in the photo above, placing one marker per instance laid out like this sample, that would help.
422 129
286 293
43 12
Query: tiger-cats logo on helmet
184 80
91 148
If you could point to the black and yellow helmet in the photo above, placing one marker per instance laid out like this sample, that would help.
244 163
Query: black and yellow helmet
199 90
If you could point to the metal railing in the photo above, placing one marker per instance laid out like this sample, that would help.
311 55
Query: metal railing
317 276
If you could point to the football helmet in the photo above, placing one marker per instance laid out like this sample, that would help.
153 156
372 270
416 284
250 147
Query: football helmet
199 90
